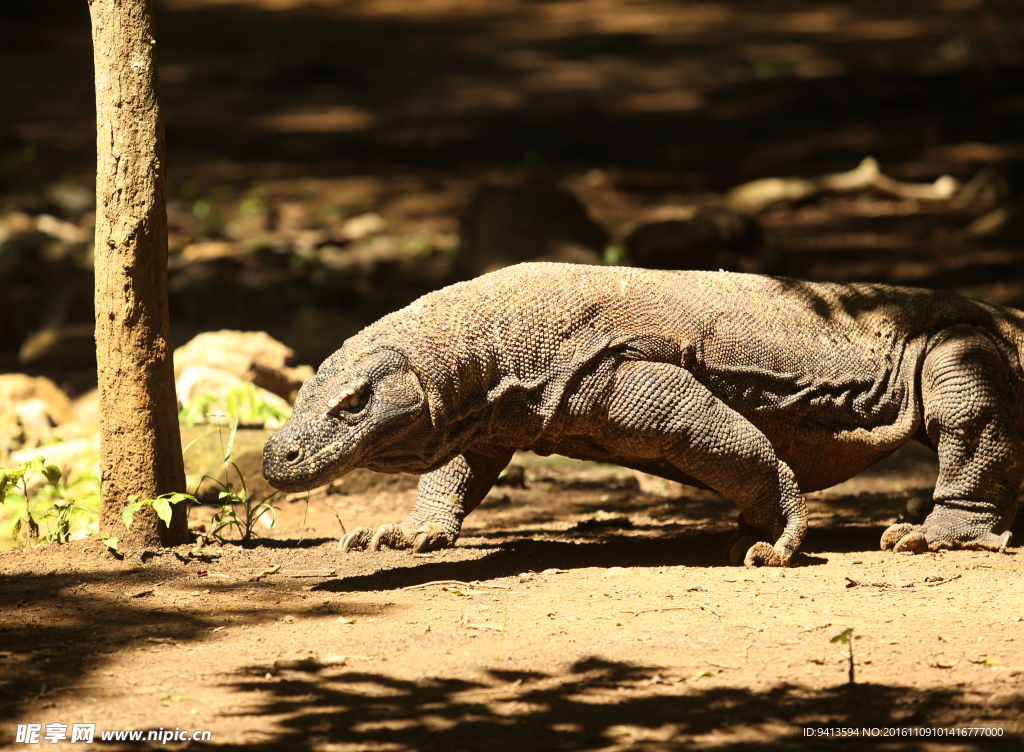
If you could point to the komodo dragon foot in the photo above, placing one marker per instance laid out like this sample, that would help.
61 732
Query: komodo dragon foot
944 528
428 537
744 547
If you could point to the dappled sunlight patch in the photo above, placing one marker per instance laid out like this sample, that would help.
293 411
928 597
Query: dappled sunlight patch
328 119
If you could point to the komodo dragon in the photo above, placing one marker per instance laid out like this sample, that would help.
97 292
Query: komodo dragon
757 387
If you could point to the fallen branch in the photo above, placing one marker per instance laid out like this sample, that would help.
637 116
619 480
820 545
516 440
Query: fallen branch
857 583
310 573
758 195
719 665
675 608
942 582
455 583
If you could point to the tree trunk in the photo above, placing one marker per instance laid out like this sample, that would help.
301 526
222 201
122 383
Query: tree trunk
140 443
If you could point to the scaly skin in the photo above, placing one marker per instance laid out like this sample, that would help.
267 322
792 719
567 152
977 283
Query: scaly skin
758 387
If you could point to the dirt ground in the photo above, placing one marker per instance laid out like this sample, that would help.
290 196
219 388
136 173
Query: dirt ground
586 610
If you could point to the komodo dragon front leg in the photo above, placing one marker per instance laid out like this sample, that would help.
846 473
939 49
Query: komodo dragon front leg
662 412
965 391
445 497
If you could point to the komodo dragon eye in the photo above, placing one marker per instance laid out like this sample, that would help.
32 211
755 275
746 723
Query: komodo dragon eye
352 401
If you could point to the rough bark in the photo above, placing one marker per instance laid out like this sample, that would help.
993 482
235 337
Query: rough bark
140 443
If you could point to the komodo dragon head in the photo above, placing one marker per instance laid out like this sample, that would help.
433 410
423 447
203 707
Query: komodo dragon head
361 409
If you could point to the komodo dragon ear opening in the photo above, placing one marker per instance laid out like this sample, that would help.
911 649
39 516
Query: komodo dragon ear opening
351 401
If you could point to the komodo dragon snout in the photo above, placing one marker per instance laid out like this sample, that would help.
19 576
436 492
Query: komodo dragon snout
367 411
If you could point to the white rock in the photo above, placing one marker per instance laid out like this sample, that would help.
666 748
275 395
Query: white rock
358 227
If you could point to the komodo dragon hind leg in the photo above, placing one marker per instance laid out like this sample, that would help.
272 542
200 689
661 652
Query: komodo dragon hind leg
964 389
445 497
662 412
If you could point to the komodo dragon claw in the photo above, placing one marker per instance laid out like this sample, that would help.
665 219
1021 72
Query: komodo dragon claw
743 547
425 538
904 537
763 554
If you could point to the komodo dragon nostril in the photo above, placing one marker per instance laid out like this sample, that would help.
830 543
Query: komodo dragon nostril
294 455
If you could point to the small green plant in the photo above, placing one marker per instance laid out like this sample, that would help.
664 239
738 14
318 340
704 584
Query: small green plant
162 505
847 637
242 403
54 503
65 508
615 255
238 509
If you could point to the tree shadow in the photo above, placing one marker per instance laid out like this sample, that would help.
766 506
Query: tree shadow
49 638
593 704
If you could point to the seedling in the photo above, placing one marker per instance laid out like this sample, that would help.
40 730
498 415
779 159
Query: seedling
847 636
64 508
238 509
162 505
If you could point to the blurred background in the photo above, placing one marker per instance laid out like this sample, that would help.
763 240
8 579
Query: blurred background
331 160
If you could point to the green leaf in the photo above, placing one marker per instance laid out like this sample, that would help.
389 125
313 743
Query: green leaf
128 515
110 543
52 473
844 637
231 442
16 530
7 482
200 408
162 507
32 467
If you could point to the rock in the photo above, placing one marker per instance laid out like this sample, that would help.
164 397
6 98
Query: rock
85 409
196 382
359 227
255 357
71 197
36 424
74 458
15 224
713 239
652 484
62 230
17 388
505 225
